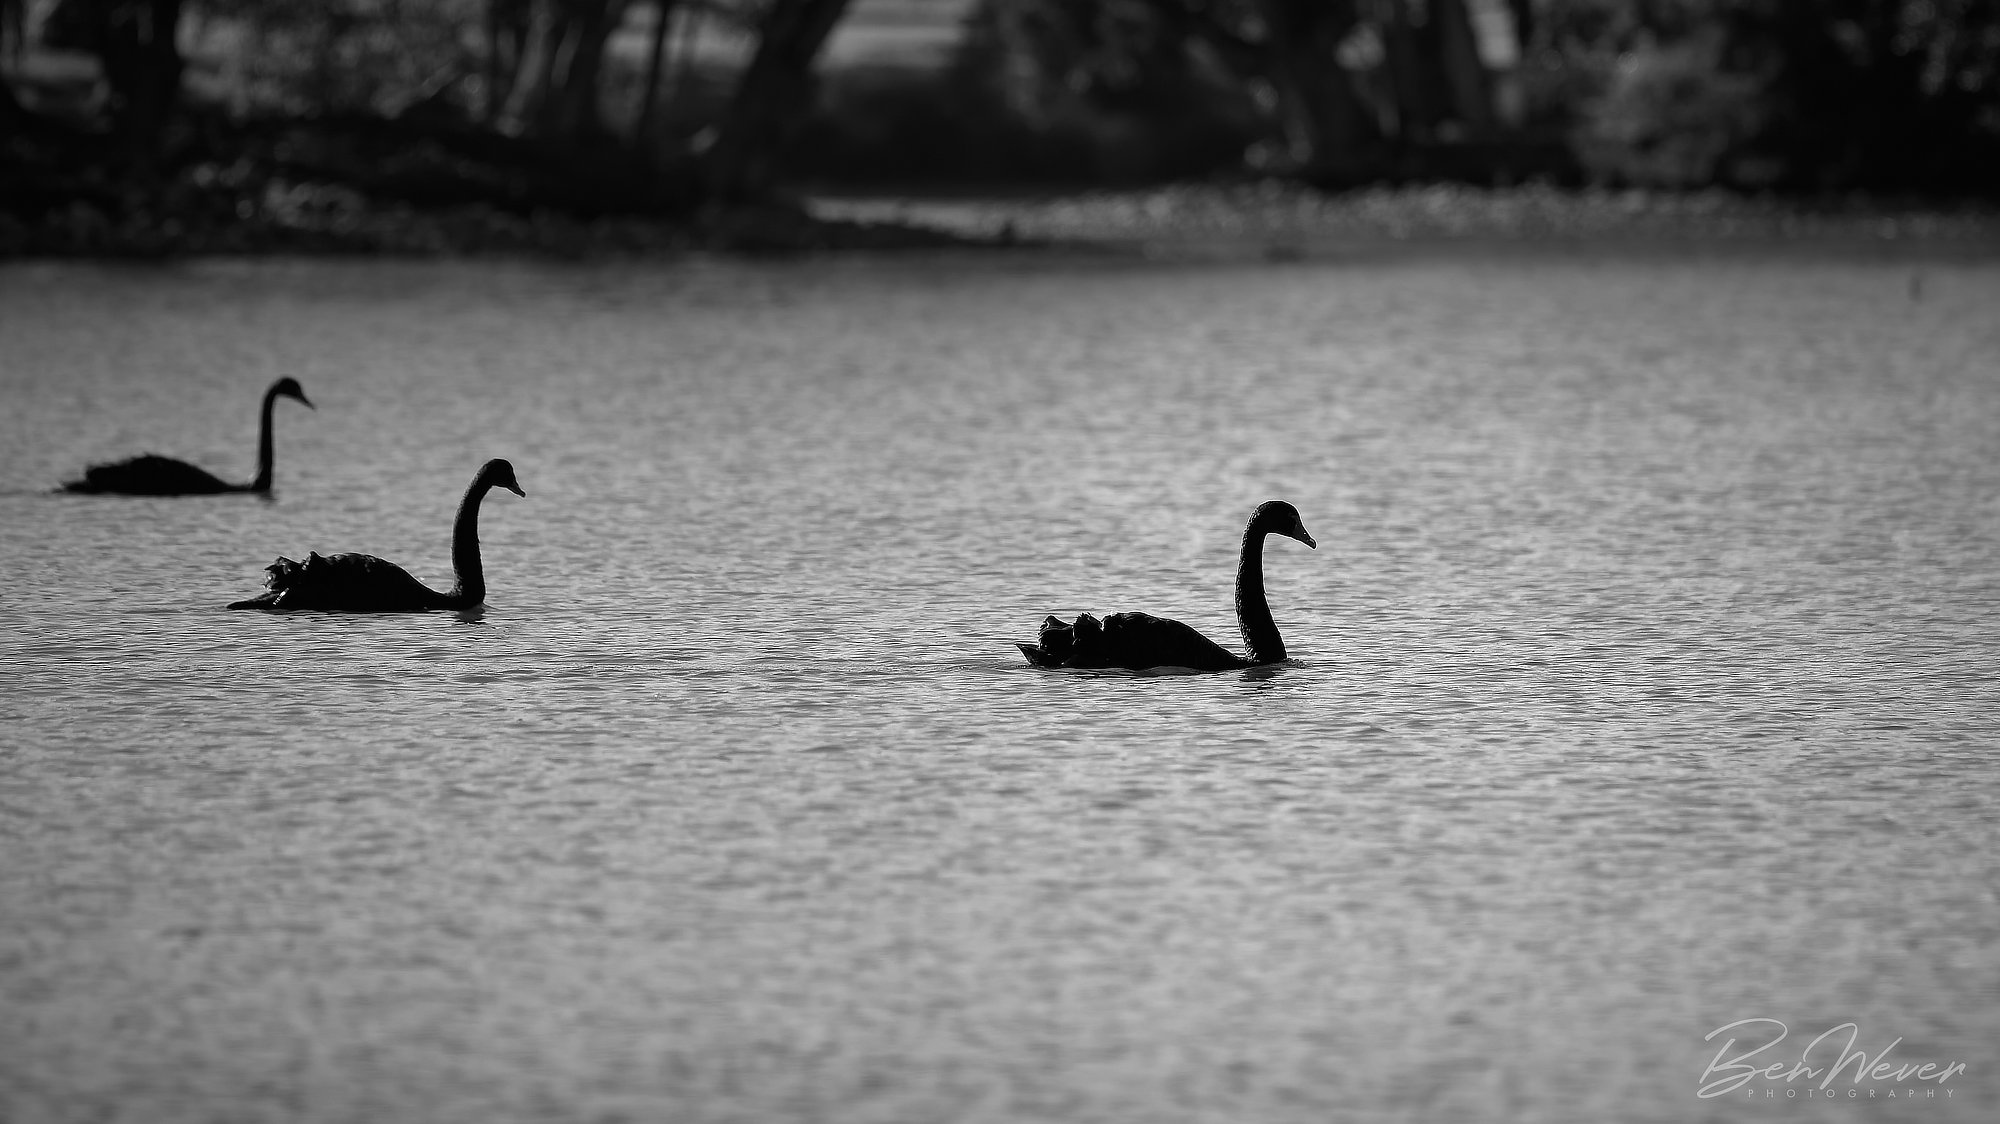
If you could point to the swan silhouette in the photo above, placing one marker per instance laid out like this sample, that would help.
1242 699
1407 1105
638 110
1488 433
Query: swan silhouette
363 583
1139 640
152 475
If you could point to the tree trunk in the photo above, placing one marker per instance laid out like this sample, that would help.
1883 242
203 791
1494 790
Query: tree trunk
548 88
1327 125
1411 77
769 98
656 53
508 26
1465 73
572 62
1523 12
13 117
531 28
579 110
140 51
14 28
690 38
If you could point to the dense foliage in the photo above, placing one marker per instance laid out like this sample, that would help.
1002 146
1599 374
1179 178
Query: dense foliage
1797 94
187 121
211 110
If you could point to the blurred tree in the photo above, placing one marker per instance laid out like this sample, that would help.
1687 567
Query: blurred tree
656 56
136 44
347 56
1671 115
1060 94
432 102
13 28
1879 94
1811 95
740 162
508 24
1295 45
1437 80
1465 72
1343 84
13 44
541 103
573 61
1286 53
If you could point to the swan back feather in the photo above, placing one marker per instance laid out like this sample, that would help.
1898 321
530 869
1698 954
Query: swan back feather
342 583
1135 641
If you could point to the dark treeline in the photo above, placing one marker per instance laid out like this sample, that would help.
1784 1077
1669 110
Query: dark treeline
1791 95
131 114
127 124
533 69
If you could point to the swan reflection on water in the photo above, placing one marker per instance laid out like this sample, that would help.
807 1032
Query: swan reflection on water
152 475
363 583
1265 678
1143 642
1259 677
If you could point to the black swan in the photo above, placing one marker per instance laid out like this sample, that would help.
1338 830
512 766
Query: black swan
363 583
151 475
1139 640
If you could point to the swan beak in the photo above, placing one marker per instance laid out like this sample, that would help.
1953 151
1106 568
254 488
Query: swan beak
307 403
516 489
1306 539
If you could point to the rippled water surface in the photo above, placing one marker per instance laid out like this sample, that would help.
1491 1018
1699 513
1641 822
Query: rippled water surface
1644 681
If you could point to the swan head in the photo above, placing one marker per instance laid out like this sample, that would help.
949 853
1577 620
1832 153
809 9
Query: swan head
500 474
1276 517
288 387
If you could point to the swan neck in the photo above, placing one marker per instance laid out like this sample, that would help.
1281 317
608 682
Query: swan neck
1253 611
263 481
470 588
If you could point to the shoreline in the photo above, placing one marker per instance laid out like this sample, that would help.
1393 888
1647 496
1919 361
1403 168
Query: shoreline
1270 220
1278 221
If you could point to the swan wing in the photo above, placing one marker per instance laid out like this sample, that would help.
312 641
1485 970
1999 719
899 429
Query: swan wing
343 583
149 475
1136 641
1140 640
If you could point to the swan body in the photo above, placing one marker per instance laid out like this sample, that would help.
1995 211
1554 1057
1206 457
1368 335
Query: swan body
363 583
1130 640
346 583
154 475
1139 641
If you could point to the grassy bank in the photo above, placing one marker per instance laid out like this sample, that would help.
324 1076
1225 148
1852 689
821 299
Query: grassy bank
1279 220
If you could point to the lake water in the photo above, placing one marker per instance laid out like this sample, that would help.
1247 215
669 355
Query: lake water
1644 681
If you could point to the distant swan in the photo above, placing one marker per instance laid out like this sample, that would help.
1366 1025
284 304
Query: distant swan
151 475
1139 641
362 583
